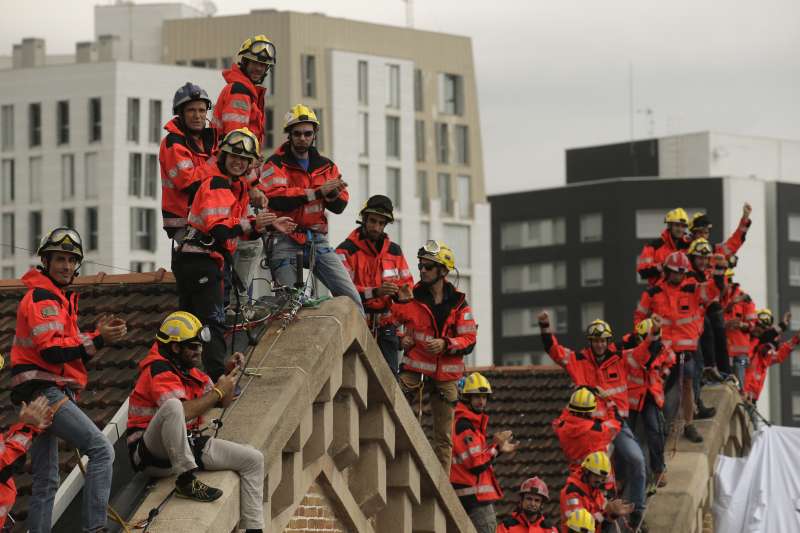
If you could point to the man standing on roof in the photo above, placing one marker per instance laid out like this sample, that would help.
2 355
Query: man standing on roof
47 359
767 350
240 104
740 318
700 228
189 144
166 411
528 516
378 268
672 239
606 369
218 219
472 473
302 184
439 333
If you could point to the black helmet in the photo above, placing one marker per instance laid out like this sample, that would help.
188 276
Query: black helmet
189 93
61 239
378 205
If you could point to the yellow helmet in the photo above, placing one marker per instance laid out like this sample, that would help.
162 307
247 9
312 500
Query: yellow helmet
700 247
582 401
182 326
597 463
241 142
258 49
298 114
599 329
764 317
644 327
729 273
677 216
438 252
476 383
580 521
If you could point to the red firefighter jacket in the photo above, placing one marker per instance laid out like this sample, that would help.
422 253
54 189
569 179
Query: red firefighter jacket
764 355
681 307
518 523
240 104
160 380
738 306
610 374
370 266
471 471
579 436
736 240
14 445
652 256
577 494
451 321
649 379
293 191
219 216
183 166
48 347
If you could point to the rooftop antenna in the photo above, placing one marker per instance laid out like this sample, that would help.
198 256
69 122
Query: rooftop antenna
651 121
409 13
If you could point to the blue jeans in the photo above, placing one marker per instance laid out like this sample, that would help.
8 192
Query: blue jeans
328 265
629 459
78 431
653 420
740 364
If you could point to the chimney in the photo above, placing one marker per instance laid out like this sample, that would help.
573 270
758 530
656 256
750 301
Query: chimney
108 48
29 54
85 52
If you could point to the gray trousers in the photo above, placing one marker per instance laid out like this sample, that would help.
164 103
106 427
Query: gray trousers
483 518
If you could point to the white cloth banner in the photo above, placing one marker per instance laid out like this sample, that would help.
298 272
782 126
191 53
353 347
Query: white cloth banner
760 493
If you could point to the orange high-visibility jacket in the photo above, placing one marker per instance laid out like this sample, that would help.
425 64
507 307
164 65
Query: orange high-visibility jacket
577 494
14 445
518 523
240 104
471 471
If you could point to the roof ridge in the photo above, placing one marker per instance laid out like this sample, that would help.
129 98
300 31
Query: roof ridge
101 278
516 368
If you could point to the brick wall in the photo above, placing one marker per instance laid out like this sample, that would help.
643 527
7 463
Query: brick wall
316 513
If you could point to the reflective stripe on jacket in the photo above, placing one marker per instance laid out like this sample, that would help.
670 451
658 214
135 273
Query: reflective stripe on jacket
761 358
518 523
652 256
579 436
471 471
240 104
576 495
14 444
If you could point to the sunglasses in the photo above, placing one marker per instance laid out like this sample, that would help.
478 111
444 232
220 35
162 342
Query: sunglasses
426 266
306 133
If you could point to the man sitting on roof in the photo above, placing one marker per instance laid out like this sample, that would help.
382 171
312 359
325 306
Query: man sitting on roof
166 411
528 516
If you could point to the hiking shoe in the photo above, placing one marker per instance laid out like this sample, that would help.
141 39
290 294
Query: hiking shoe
661 479
194 489
704 412
711 373
691 433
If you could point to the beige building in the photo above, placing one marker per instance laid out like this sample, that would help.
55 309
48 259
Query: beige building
400 117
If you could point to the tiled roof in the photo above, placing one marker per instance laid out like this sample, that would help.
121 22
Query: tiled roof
142 300
525 400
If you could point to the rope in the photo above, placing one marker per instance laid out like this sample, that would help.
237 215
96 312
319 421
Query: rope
113 514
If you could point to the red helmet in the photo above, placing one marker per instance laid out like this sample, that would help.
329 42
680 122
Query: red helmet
677 262
535 485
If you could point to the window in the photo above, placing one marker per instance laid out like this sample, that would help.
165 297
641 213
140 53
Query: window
8 182
7 127
35 179
269 81
8 236
204 63
308 73
143 266
422 191
95 120
532 233
796 406
464 197
794 272
451 97
393 86
592 272
92 229
133 120
68 218
442 144
419 89
135 175
395 231
592 227
393 137
269 128
225 62
34 125
419 140
154 133
794 308
393 185
794 228
151 176
524 321
795 362
465 286
363 85
424 231
318 141
90 169
462 145
62 122
34 231
534 277
8 273
67 176
143 229
363 133
591 311
445 193
363 184
650 222
457 236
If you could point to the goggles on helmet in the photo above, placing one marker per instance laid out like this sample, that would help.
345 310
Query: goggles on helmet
263 51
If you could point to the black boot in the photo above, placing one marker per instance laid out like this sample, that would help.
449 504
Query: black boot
189 487
704 412
691 433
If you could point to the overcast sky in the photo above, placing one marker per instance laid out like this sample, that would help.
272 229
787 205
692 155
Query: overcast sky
554 74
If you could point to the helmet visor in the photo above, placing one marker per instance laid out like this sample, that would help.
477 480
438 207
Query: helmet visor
241 144
431 247
598 329
703 248
263 51
66 239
